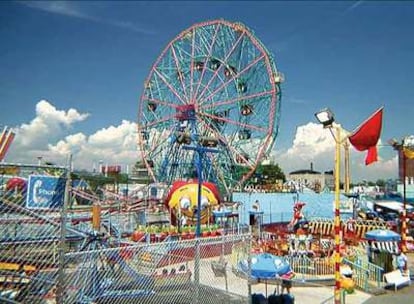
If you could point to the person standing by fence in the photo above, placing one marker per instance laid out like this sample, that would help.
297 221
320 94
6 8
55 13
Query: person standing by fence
401 261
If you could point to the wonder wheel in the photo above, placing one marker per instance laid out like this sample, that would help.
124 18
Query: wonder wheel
212 98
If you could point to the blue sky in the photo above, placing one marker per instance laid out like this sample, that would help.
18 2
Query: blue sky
93 57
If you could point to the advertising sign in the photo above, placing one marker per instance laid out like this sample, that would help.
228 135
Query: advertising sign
45 192
114 169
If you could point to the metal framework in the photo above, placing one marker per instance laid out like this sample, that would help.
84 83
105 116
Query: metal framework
214 85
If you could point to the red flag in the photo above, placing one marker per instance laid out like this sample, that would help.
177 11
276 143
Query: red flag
366 136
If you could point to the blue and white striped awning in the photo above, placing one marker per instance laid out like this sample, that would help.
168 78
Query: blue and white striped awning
387 246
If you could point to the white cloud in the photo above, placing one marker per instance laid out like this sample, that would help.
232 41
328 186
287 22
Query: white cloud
112 145
48 124
314 144
49 135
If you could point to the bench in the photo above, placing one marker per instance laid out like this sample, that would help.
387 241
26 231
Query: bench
396 278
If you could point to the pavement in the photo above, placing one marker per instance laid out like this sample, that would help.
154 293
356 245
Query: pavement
307 294
311 293
403 295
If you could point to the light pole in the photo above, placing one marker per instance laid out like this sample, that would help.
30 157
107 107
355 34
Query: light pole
200 150
326 118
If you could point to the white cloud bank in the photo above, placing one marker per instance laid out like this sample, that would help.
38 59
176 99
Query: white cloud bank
49 135
314 144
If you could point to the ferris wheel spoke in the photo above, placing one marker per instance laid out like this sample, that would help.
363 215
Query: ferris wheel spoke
180 72
216 73
164 102
192 65
225 84
160 121
218 103
241 125
208 55
169 85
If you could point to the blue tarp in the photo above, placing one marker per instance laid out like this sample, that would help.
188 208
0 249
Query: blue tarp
383 235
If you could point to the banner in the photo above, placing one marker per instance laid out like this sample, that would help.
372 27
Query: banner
114 169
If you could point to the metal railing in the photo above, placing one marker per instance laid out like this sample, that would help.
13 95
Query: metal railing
312 269
365 274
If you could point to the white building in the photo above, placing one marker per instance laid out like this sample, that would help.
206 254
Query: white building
308 178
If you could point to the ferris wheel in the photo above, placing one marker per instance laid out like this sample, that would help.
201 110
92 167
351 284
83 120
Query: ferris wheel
214 87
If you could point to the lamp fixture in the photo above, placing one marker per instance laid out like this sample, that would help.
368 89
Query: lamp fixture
325 117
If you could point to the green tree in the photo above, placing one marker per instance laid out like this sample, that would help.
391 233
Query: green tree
271 173
267 174
381 183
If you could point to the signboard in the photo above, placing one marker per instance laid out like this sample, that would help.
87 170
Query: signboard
45 192
115 169
9 170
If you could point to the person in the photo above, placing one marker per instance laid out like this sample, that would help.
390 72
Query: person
401 261
368 251
254 217
256 205
286 284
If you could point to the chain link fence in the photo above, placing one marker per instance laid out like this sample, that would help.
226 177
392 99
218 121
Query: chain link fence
48 255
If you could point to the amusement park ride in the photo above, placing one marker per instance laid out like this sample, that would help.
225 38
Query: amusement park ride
202 132
208 115
201 122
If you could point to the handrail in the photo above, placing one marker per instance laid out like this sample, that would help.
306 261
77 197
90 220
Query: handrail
375 272
365 272
360 274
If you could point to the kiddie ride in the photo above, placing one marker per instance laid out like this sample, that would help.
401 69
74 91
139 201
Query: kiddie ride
177 214
299 241
312 237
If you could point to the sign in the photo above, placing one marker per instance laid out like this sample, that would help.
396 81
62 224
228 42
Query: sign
9 170
115 169
45 192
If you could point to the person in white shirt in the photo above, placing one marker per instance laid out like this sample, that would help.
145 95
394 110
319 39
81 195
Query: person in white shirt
401 261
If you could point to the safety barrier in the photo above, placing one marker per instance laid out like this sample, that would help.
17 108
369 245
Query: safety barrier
51 255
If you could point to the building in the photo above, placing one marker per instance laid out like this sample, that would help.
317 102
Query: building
314 180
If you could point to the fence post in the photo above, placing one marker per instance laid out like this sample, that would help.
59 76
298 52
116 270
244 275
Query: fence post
60 292
249 262
343 296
